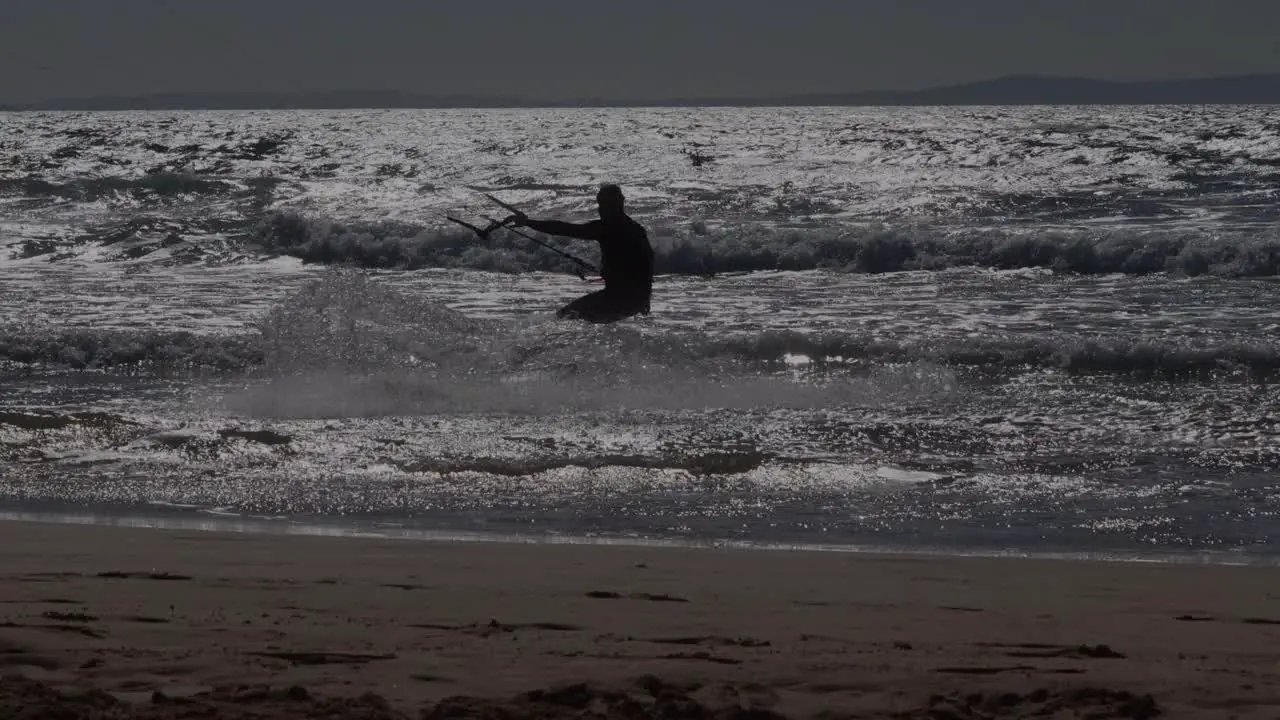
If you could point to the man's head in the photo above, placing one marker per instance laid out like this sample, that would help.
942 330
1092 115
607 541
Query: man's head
610 201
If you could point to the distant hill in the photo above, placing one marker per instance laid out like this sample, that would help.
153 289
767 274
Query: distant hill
1015 90
1043 90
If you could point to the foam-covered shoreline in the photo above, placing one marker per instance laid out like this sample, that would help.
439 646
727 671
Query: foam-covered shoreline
155 517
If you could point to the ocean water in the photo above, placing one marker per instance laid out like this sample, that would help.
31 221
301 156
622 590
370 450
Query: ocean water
1028 330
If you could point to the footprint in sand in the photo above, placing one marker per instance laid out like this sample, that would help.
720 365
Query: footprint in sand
493 627
1044 650
711 640
117 575
608 595
324 658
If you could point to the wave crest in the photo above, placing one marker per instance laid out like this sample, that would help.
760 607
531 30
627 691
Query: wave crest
99 349
869 249
348 344
1144 358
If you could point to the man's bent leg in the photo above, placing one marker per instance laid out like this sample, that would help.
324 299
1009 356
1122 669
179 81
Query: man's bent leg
584 308
604 306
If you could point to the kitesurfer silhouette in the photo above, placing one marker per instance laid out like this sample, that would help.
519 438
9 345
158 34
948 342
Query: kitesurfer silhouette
626 259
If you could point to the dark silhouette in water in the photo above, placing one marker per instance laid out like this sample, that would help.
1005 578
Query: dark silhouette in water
626 259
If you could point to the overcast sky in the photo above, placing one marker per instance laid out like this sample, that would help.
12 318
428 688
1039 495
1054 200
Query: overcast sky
611 49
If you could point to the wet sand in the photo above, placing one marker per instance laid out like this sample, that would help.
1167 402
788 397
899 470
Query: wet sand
101 622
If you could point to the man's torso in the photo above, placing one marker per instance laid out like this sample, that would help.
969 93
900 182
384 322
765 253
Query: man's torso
626 257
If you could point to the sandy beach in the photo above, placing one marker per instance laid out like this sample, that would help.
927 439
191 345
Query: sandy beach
104 622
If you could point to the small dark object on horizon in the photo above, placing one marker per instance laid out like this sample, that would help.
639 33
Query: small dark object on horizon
696 157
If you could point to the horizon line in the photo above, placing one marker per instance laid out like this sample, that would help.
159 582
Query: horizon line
505 101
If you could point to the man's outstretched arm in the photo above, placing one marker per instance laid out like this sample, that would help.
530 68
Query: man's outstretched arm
585 231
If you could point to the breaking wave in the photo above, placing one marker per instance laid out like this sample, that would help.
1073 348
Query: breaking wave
868 249
1070 354
87 349
328 328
